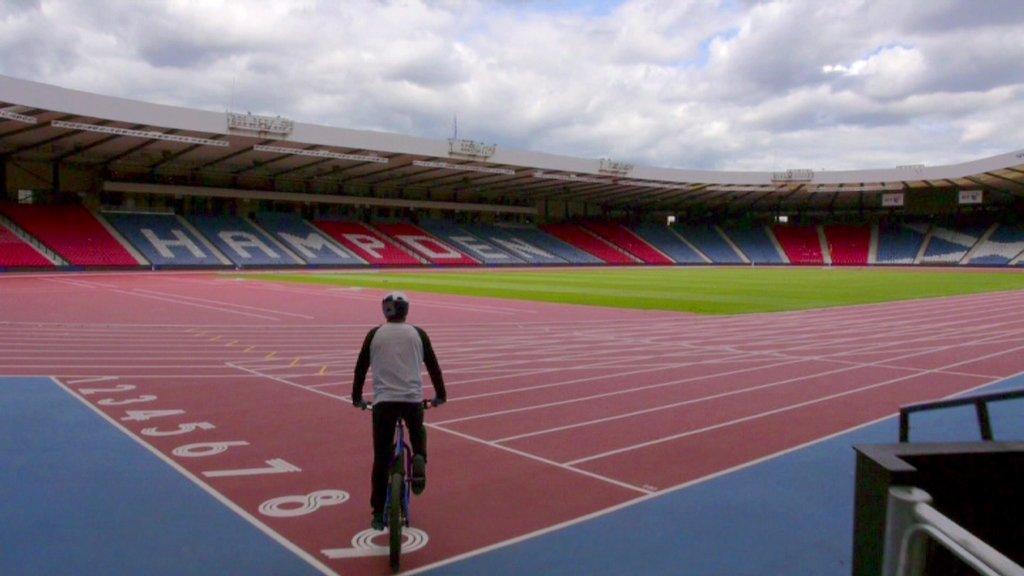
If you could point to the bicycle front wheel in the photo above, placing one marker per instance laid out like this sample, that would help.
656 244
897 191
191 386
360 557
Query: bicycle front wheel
395 520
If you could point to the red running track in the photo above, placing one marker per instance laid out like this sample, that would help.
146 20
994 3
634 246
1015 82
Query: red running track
557 412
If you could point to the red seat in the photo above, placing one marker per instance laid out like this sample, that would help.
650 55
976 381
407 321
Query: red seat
848 245
628 241
426 245
367 244
16 253
580 238
800 243
72 232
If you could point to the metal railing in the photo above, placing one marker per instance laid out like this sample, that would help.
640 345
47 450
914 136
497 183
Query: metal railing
979 402
912 524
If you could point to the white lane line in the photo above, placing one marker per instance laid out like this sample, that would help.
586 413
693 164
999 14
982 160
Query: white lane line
465 436
542 460
776 411
219 303
90 380
666 491
618 392
185 303
287 544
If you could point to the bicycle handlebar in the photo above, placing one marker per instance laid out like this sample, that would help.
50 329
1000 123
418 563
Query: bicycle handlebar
427 405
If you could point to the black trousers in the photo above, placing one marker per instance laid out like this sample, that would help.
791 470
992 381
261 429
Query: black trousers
385 418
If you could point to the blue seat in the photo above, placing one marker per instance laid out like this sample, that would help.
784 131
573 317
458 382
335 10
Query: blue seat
531 245
306 241
755 243
898 244
164 240
241 242
1005 244
475 245
662 238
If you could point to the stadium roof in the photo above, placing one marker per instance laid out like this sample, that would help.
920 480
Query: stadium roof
132 140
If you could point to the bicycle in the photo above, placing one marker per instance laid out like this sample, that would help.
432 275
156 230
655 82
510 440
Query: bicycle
396 502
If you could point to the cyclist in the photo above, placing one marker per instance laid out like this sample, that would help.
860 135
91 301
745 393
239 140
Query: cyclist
396 350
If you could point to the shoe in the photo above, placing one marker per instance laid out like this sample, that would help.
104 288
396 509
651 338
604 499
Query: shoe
419 474
378 521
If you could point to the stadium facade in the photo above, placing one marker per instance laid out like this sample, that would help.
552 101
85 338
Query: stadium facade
184 177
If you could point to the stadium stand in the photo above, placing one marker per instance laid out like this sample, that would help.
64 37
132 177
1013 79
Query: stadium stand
73 232
484 251
801 244
950 245
848 245
310 244
668 242
755 243
588 242
368 244
711 243
532 245
164 240
16 253
627 241
1001 248
898 244
428 247
242 243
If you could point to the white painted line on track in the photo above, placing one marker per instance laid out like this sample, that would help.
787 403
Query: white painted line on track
665 491
775 411
270 532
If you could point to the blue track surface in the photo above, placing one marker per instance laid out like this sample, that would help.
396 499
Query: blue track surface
80 497
789 515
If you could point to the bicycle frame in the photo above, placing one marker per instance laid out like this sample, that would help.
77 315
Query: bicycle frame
401 461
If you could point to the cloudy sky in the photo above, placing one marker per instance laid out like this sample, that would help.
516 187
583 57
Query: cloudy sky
718 84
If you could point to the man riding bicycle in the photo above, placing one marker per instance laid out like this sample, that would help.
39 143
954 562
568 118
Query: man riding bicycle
396 350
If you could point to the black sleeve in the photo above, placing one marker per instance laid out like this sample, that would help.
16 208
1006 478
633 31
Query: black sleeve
433 368
362 365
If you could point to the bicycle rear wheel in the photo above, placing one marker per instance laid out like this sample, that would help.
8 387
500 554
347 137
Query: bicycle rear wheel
395 521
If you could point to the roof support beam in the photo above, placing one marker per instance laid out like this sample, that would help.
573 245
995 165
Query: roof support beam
174 156
92 145
50 140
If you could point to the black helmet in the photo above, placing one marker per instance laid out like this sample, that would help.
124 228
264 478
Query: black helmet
395 306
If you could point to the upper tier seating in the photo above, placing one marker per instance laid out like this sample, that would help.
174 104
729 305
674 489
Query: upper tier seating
948 245
308 243
898 244
242 243
580 238
164 240
16 253
848 245
368 244
430 248
531 245
72 232
1005 244
628 241
755 243
711 243
801 244
475 246
664 239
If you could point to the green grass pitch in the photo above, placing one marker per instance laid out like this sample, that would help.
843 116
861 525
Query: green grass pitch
705 290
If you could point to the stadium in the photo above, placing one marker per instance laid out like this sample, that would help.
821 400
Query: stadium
651 370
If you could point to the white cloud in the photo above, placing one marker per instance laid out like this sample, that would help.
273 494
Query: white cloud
694 84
